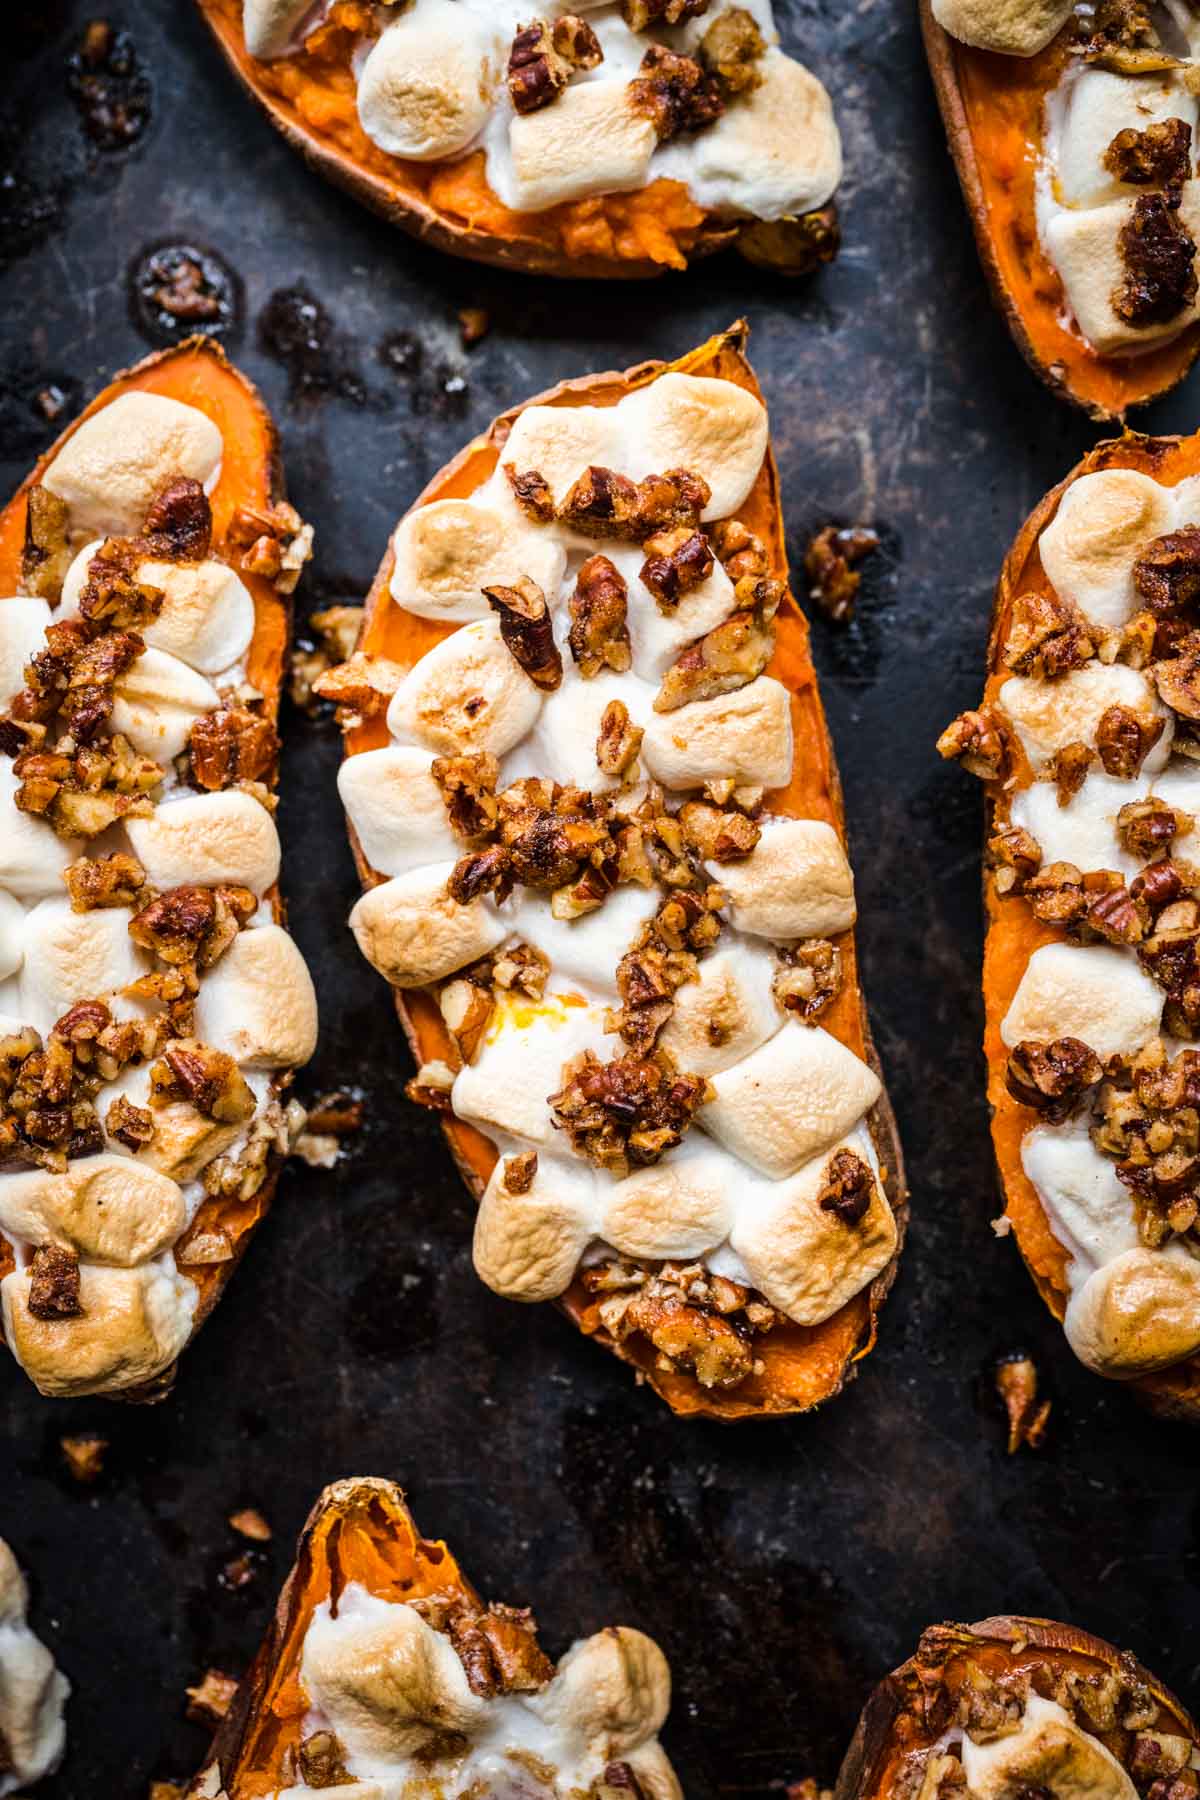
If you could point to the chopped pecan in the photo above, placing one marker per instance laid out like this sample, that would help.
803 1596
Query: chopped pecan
675 93
232 744
487 871
1124 739
322 1760
718 836
832 556
1108 24
1068 769
628 1112
361 687
599 635
550 830
1171 956
1147 1118
179 522
1159 255
1147 827
532 493
1047 636
208 1079
676 562
731 50
82 793
131 1125
497 1645
603 503
619 742
1160 884
1167 573
1028 1417
1160 156
690 1338
1114 915
275 543
1053 1078
661 958
1016 855
333 632
847 1187
114 880
54 1283
519 966
174 925
1177 677
468 787
211 1698
589 891
728 657
543 58
737 549
979 741
519 1172
528 631
430 1086
696 1321
46 554
640 15
808 978
83 1453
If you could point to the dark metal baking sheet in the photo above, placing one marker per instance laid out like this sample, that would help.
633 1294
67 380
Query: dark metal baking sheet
783 1567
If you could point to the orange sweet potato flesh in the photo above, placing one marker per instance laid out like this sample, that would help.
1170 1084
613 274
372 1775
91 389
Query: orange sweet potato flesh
360 1531
894 1723
803 1365
198 373
310 98
1013 934
992 109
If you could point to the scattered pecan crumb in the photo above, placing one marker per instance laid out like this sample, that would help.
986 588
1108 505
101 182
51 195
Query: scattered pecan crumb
1068 769
84 1453
474 323
275 543
520 1171
54 1283
46 554
211 1698
532 493
114 880
1015 854
1047 636
339 1113
430 1086
248 1522
361 687
167 1790
979 741
333 633
232 744
831 564
1017 1385
619 741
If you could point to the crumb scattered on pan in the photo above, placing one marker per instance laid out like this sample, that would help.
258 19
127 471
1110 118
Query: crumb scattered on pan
240 1571
808 1789
1028 1417
831 565
50 401
166 1790
330 1118
330 639
474 323
248 1522
211 1698
84 1455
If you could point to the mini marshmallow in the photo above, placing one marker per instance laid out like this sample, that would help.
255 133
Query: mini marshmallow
269 26
584 950
806 1260
110 469
32 855
656 637
714 428
12 935
1050 714
1091 992
32 1691
424 89
71 956
207 614
1084 831
1049 1752
414 933
106 1208
745 735
726 1013
157 701
396 809
208 839
467 693
790 1100
520 1063
1138 1313
447 552
184 1141
676 1209
560 442
23 622
528 1246
1013 27
257 1003
613 1689
133 1325
562 744
1099 103
1104 522
1085 249
796 883
591 141
1089 1208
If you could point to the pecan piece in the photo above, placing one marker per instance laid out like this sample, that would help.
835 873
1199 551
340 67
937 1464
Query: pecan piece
179 522
1147 827
640 15
361 687
532 493
322 1760
543 58
731 50
208 1079
675 93
1177 677
628 1112
1028 1417
275 543
847 1187
46 553
1068 769
979 741
519 1172
1167 574
718 836
728 657
603 503
54 1283
482 872
691 1338
599 635
1052 1078
619 742
1047 636
528 631
468 786
737 549
808 978
131 1125
676 562
1124 739
229 745
1159 255
114 880
1159 156
1016 855
832 556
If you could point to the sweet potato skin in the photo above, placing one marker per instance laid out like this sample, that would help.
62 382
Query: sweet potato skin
1103 387
197 370
831 1352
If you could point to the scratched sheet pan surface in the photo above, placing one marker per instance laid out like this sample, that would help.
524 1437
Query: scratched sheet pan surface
784 1568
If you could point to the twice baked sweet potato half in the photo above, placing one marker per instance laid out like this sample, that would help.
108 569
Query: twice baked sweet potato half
595 806
1072 126
383 1672
612 141
1087 741
151 1003
1013 1707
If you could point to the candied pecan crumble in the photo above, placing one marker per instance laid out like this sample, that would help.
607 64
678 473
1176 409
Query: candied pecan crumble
1160 156
1047 636
808 978
676 562
1068 769
718 836
847 1187
1016 855
544 56
619 741
211 1698
528 631
322 1760
698 1322
1159 255
468 789
1055 1078
234 743
663 956
519 1171
1147 1118
732 654
831 561
54 1283
979 741
1167 579
207 1079
329 641
626 1113
114 880
675 93
603 503
1148 827
599 635
532 493
131 1125
731 50
274 541
497 1645
47 1090
1124 739
640 15
46 553
360 688
737 549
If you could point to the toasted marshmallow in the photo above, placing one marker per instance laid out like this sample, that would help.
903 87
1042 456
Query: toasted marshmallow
726 1013
258 1004
773 153
562 744
1014 27
1088 991
396 809
1049 1752
714 428
32 855
384 1678
184 1141
133 1325
528 1246
790 1100
746 735
424 89
12 935
1051 714
23 622
414 933
560 442
520 1064
270 26
208 839
72 956
591 141
656 637
796 883
1084 831
32 1691
1084 247
804 1259
1089 1207
1138 1313
613 1689
447 552
157 701
1104 522
108 1209
109 470
679 1208
467 693
584 950
1099 103
207 614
